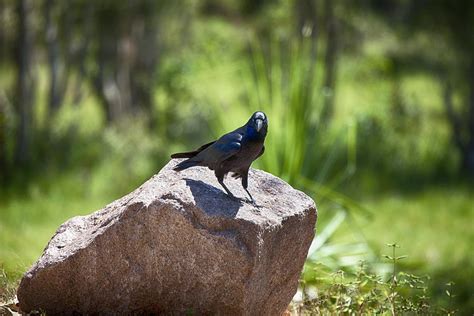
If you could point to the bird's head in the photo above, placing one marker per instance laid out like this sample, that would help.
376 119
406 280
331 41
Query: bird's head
258 123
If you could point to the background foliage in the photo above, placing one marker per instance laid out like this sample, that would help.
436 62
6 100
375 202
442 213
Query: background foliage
371 109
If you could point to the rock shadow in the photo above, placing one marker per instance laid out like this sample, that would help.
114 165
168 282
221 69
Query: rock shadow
213 201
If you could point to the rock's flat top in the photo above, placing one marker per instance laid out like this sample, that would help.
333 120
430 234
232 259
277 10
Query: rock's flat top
178 243
199 186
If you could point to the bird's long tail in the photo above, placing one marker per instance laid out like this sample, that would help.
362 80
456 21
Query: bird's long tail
189 154
185 165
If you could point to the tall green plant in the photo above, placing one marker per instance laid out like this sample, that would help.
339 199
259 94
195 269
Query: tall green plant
281 79
282 83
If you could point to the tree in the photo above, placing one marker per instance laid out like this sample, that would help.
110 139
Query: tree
452 23
25 83
127 57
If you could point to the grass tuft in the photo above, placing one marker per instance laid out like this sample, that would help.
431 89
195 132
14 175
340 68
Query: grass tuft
364 292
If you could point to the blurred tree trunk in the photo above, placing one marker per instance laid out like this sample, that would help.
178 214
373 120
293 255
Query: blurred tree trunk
330 59
127 59
453 117
3 32
3 140
57 69
25 83
52 47
306 16
3 149
307 19
462 124
104 80
469 156
79 56
146 60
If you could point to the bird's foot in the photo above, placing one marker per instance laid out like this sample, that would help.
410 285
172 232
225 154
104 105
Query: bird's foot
253 203
250 199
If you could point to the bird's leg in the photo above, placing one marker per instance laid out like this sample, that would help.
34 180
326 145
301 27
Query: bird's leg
245 184
251 198
220 178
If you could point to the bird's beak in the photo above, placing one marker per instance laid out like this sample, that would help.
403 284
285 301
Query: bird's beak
259 125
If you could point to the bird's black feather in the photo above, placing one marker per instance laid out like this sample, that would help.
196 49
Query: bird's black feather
233 152
192 153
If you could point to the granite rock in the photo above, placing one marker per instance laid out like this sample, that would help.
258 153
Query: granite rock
178 244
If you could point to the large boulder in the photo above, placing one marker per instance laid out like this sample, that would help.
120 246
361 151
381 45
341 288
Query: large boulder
178 244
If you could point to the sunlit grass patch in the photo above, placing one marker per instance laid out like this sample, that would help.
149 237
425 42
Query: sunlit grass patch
435 224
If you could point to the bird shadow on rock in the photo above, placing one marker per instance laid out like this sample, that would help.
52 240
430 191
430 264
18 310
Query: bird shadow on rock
213 201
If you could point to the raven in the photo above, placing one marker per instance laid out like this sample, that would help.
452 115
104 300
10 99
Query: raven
234 152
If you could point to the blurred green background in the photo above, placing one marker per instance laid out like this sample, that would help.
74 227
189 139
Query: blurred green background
370 106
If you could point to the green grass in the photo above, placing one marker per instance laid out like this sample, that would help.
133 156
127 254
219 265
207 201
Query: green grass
434 225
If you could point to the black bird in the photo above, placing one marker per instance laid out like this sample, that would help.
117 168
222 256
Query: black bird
233 152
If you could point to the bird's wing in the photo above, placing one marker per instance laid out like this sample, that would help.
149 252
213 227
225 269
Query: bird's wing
224 148
205 146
